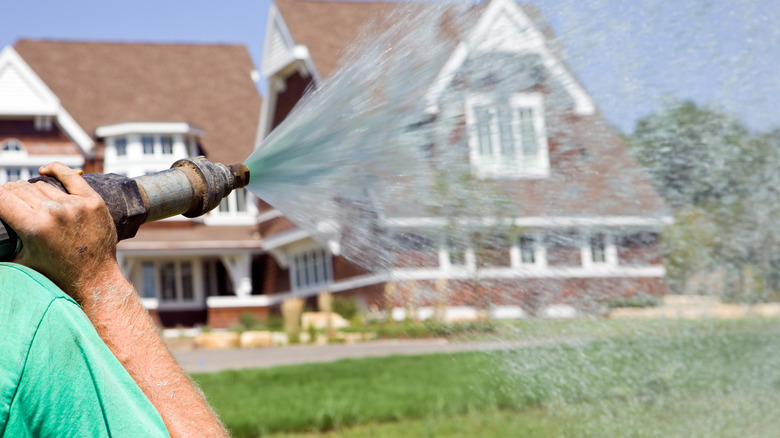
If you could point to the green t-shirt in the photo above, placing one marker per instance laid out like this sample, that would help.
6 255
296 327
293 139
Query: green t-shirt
57 377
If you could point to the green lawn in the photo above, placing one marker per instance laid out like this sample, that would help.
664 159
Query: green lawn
584 379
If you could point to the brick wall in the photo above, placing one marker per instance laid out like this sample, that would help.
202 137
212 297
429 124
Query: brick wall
224 317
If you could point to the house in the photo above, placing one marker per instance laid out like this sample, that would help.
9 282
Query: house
543 139
133 109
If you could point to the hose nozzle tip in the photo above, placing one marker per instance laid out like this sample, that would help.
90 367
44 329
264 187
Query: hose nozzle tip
240 174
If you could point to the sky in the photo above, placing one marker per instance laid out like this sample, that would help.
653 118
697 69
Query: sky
632 56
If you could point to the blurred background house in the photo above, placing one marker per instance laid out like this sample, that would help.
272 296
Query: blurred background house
566 253
134 109
131 109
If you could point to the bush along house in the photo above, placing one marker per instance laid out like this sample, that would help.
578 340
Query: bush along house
579 219
133 109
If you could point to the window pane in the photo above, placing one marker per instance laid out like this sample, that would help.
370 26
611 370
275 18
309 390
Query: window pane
484 119
224 204
120 144
311 268
148 274
457 252
528 135
187 290
148 144
527 250
322 267
598 245
507 134
299 271
168 281
14 174
241 195
167 145
12 146
208 278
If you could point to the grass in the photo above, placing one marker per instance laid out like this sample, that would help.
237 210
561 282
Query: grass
584 379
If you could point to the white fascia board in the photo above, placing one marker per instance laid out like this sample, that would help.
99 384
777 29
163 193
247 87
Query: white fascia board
148 128
49 104
534 221
486 26
268 215
74 131
135 248
283 239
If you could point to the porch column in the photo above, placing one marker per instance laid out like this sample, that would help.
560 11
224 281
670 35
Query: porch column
239 266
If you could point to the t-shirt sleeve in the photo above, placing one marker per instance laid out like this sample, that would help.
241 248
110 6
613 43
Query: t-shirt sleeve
72 385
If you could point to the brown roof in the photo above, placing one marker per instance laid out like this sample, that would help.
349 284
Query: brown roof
208 86
327 28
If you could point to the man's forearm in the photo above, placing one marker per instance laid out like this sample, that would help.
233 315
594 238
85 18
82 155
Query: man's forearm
115 310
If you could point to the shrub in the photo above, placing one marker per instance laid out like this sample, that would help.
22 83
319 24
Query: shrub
347 307
640 300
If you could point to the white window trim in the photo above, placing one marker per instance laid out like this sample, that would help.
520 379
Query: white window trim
497 169
22 151
610 251
294 269
179 303
540 252
136 163
232 216
445 263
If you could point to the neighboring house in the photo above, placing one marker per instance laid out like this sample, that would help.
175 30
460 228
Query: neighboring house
572 252
133 109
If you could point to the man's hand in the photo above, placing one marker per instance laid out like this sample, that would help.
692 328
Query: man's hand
69 237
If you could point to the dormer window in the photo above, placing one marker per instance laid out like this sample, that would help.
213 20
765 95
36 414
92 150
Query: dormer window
507 136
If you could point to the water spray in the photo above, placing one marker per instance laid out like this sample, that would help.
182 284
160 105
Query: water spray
191 187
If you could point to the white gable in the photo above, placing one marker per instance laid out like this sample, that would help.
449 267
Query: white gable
504 27
280 52
24 94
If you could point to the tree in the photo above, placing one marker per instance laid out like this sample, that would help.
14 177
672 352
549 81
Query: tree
692 154
724 186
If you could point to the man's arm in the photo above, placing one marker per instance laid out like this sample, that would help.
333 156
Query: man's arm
71 239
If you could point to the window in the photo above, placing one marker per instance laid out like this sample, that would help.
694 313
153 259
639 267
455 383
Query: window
9 174
598 248
168 281
311 268
148 275
120 144
456 251
527 250
12 145
507 135
167 144
187 289
13 174
235 202
147 142
174 280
